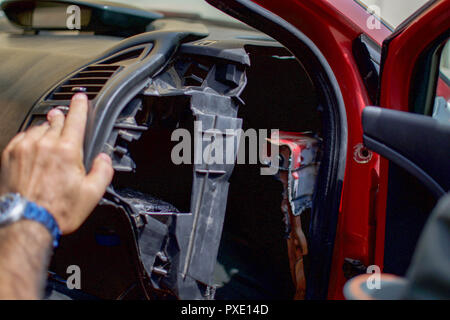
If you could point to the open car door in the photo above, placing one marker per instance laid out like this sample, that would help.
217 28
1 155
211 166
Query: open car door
324 36
411 131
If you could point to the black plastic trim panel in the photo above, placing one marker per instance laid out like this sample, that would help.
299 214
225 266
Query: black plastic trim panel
367 56
418 143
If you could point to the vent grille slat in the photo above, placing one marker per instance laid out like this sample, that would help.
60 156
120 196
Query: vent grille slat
68 96
89 74
81 81
89 88
102 67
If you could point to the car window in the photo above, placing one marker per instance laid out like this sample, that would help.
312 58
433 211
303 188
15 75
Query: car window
441 109
197 7
392 12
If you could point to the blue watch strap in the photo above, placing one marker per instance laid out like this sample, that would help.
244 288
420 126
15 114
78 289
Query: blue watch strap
40 214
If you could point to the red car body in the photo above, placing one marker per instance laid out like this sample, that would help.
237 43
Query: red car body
333 25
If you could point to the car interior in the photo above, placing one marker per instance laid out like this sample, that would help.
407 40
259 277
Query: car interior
136 243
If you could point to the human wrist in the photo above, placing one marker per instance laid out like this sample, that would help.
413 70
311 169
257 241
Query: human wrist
25 248
26 233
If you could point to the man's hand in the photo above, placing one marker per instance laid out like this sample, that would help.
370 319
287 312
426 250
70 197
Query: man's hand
45 165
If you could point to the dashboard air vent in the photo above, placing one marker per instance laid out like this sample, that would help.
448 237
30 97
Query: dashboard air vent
92 79
89 80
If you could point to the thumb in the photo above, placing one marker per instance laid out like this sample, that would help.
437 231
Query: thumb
99 177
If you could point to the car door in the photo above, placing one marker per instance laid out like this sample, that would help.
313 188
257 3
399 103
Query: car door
411 131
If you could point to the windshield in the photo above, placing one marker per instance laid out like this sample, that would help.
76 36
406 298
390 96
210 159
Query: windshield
181 8
392 12
197 7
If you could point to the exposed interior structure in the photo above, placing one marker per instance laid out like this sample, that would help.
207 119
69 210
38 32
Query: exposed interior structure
252 258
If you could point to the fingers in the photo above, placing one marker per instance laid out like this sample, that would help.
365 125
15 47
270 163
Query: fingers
14 142
56 120
75 123
7 151
35 133
99 177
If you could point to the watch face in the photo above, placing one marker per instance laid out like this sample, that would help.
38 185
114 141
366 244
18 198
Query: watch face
11 208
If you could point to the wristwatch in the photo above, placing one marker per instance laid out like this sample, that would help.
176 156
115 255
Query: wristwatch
14 207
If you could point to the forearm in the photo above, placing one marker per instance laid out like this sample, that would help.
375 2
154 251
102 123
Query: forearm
25 250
